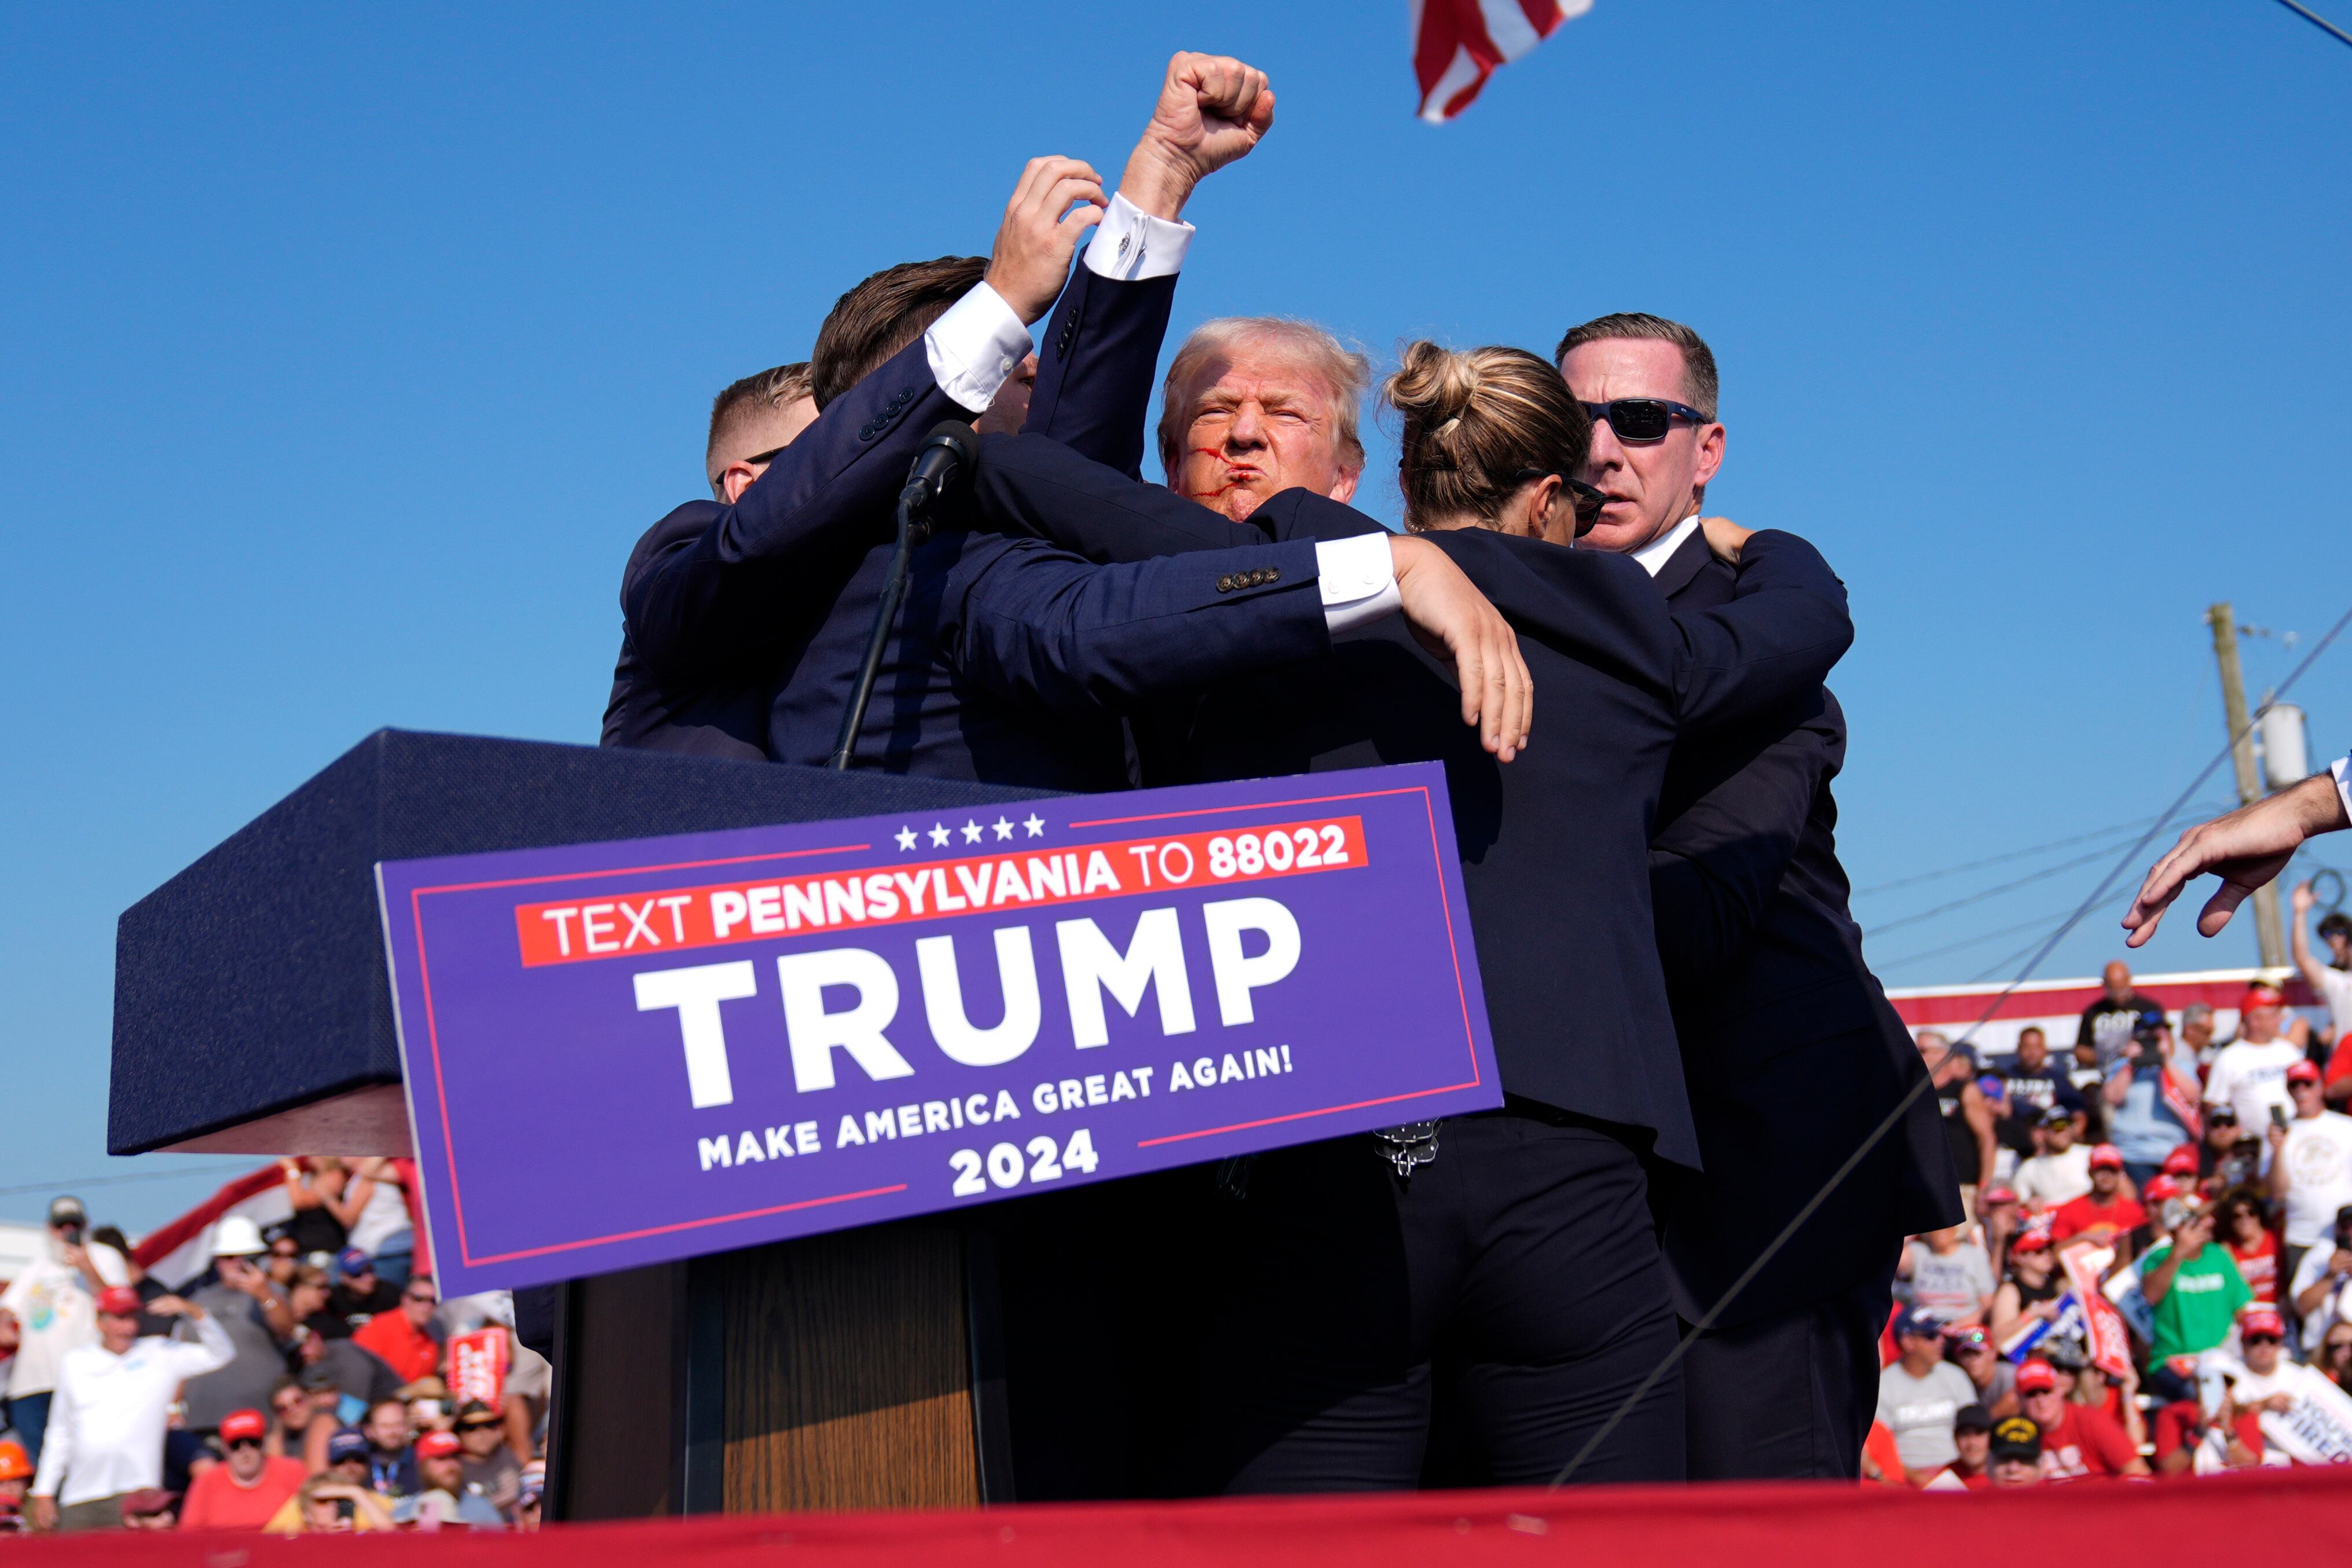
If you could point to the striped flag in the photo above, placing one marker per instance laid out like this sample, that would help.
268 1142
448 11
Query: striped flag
1457 45
178 1252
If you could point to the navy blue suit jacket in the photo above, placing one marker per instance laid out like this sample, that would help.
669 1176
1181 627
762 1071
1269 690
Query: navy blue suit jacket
1554 846
1790 1049
716 599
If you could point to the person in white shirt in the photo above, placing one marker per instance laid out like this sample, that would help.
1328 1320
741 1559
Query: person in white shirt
2311 1165
2061 1172
113 1400
2330 978
52 1303
2250 1074
2317 1289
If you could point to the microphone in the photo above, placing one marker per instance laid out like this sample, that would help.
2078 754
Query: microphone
947 455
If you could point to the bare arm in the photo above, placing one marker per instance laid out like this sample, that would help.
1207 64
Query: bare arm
2299 939
2246 849
1978 1110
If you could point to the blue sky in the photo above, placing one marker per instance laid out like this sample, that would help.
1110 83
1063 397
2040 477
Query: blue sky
343 355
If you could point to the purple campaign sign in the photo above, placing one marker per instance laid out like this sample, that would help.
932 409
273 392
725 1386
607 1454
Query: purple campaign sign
626 1053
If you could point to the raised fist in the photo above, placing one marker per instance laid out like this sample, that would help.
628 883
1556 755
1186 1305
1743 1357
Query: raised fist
1212 110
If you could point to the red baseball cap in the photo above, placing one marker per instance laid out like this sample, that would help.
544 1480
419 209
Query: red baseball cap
437 1445
2182 1162
2262 1320
2036 1377
2261 996
2159 1189
2303 1072
118 1301
2036 1240
2106 1157
239 1423
1997 1195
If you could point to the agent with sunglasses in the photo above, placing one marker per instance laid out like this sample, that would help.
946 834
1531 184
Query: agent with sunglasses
1505 1266
1789 1048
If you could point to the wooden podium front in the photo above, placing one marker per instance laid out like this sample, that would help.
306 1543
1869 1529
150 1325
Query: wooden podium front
850 1371
252 1014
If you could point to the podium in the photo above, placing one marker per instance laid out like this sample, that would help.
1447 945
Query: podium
863 1368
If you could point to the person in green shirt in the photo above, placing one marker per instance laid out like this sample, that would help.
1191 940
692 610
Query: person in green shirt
2195 1288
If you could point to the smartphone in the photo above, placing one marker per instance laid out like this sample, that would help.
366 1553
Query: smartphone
72 1234
344 1508
2278 1115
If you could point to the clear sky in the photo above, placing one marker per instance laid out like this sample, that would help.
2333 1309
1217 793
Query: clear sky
344 353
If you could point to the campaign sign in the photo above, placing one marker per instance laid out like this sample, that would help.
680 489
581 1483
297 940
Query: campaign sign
625 1052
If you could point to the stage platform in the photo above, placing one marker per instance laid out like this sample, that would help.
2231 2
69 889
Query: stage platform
2306 1513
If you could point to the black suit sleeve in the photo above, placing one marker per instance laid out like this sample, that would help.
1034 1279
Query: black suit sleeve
1784 629
1094 375
711 603
1720 862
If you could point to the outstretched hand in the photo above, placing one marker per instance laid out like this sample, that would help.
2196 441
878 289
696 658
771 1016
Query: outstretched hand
1056 200
1212 111
2247 848
1452 619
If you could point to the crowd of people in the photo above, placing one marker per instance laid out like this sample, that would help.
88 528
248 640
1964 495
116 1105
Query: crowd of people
298 1383
2193 1192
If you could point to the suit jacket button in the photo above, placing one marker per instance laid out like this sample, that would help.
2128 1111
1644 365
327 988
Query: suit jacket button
1272 575
1224 584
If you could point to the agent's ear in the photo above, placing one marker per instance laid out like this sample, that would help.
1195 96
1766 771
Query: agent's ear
736 479
1711 439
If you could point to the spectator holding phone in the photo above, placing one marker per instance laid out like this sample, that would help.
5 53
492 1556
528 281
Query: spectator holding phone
325 1506
2311 1164
2250 1074
2196 1291
2146 1092
54 1305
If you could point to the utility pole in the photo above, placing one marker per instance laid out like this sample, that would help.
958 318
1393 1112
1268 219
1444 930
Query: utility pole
2270 930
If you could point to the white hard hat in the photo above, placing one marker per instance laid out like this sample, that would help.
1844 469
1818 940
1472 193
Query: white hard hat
236 1237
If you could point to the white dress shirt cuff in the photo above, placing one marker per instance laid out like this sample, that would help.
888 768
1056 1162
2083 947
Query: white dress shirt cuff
1358 577
2342 770
976 346
1130 244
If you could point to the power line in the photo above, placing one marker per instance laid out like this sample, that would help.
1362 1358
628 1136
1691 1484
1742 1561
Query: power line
1926 1080
2042 875
75 1185
2317 20
2033 924
2004 860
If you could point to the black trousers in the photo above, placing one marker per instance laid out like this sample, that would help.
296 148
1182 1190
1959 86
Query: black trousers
1520 1268
1790 1397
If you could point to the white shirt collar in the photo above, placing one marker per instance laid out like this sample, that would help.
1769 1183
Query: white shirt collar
1655 555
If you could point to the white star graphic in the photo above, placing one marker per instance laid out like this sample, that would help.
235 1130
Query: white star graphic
971 831
938 836
906 838
1035 824
1003 829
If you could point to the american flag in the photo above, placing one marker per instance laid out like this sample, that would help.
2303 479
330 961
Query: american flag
1457 45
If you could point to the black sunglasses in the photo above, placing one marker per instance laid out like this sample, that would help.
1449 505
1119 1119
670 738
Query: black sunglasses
1587 501
1643 419
235 1443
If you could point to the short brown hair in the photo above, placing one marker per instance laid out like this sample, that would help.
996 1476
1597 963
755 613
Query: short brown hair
745 400
882 315
1478 422
1701 388
1348 374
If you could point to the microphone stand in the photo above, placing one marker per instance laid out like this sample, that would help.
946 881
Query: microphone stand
913 529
